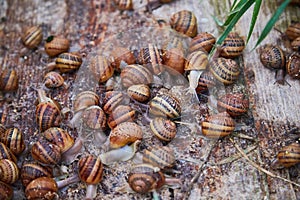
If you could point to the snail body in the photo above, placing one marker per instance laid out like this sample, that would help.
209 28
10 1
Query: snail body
32 37
14 140
9 172
68 62
101 68
9 80
232 46
135 74
162 128
184 22
56 45
41 188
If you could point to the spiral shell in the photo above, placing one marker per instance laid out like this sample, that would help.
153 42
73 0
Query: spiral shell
150 56
232 46
140 93
9 172
46 152
272 57
5 153
184 22
296 44
196 61
203 41
293 31
6 191
84 100
174 60
124 4
234 104
14 140
293 66
289 155
119 115
218 125
120 54
101 68
56 45
163 128
144 178
111 100
2 130
94 118
9 80
34 170
205 82
47 115
68 62
135 74
159 156
125 133
53 80
32 37
42 188
90 169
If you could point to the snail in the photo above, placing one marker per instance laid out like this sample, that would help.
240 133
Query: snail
184 22
140 92
14 140
94 118
296 44
218 125
101 68
9 172
5 153
121 54
293 66
135 74
159 156
42 188
2 130
56 45
66 62
32 37
119 115
6 191
203 41
234 104
162 128
206 81
46 152
111 100
232 46
293 30
124 4
9 80
53 80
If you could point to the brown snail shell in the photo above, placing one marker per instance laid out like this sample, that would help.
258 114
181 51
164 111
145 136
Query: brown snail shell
120 54
174 59
14 140
124 4
46 152
125 133
94 118
9 80
90 169
144 178
84 100
203 41
163 128
205 82
6 191
101 68
293 66
296 44
32 37
159 156
2 130
47 115
111 100
53 80
5 153
34 170
234 104
140 93
272 57
135 74
56 45
218 125
9 172
42 188
184 22
293 31
68 62
288 156
232 46
119 115
197 60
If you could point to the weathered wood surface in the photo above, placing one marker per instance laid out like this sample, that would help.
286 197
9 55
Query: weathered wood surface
274 108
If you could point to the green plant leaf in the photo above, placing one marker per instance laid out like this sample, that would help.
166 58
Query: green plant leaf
271 22
254 18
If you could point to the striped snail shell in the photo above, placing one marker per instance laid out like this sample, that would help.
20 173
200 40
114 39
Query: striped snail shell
56 45
84 100
59 137
5 153
2 130
163 128
68 62
140 92
135 74
234 104
111 100
90 169
34 170
150 56
94 118
296 44
218 125
101 68
272 57
46 152
119 115
159 156
120 54
289 155
232 46
42 188
203 41
197 60
6 191
184 22
205 82
124 4
225 70
9 80
144 178
9 172
293 66
14 140
165 105
53 80
125 133
32 37
293 31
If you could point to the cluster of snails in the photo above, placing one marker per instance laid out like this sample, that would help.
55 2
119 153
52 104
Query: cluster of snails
11 145
274 58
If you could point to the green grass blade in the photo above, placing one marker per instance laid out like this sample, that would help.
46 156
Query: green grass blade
254 18
233 5
235 9
271 22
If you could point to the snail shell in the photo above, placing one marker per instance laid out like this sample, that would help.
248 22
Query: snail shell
293 66
135 74
46 152
232 46
68 62
94 118
56 45
9 172
84 100
205 82
120 54
42 188
296 44
144 178
90 169
14 140
289 155
53 80
293 31
163 128
6 191
59 137
34 170
101 68
184 22
218 125
47 115
111 100
203 41
272 57
225 70
119 115
32 37
5 153
233 104
196 61
140 93
165 105
124 4
125 133
174 59
159 156
9 80
2 130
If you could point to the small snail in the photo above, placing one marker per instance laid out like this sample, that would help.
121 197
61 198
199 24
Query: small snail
144 178
234 104
56 45
84 100
125 133
163 128
159 156
32 37
165 105
135 74
293 31
6 191
287 156
9 80
9 172
202 41
42 188
120 54
94 118
206 81
232 46
218 125
119 115
14 140
184 22
101 68
293 66
46 152
124 4
140 92
34 170
111 100
272 57
68 62
225 70
5 153
53 80
296 44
